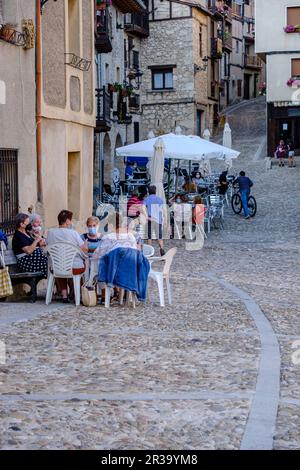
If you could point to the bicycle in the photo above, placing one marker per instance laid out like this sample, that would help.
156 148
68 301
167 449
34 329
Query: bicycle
237 206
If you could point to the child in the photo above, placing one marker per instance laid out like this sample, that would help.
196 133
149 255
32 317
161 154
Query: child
93 237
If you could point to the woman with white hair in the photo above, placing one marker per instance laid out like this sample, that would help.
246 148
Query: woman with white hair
35 228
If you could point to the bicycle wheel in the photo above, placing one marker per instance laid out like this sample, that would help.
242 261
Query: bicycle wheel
236 203
252 206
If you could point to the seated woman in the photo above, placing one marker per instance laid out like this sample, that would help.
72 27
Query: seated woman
122 264
189 186
182 213
35 228
198 211
65 233
198 179
133 205
30 256
118 236
92 236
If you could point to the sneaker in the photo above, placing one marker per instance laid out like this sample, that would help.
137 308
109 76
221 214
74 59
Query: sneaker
247 217
162 252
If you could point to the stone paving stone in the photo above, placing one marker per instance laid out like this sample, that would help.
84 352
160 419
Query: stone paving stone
290 368
74 354
172 425
287 435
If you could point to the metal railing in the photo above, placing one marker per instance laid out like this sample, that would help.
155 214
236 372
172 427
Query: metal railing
103 121
216 48
137 22
252 61
103 31
9 199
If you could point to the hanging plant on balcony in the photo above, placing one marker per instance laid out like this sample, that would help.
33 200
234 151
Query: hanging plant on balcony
293 82
292 28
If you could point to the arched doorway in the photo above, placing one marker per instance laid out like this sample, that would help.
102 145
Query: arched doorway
108 161
119 162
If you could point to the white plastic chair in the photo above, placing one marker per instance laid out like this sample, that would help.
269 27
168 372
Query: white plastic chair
148 251
62 256
160 276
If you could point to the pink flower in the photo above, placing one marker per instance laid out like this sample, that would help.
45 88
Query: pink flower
290 82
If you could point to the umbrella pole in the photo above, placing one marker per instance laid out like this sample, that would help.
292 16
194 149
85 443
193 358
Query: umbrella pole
169 179
177 176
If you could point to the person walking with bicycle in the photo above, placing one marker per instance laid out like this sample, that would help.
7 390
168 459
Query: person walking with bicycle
245 185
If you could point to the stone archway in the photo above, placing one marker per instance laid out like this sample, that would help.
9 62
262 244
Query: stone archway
108 161
119 162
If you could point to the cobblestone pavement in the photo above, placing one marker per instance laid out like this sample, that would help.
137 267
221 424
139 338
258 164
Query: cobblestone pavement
201 374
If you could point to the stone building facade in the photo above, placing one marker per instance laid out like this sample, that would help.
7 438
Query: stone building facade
280 49
242 71
67 108
177 83
118 45
18 188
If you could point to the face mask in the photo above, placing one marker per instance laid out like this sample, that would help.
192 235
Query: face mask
37 229
178 201
92 230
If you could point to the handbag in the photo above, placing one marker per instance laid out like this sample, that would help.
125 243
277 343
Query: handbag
89 296
6 288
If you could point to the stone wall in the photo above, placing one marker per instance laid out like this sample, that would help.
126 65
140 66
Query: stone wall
17 109
87 53
169 42
53 39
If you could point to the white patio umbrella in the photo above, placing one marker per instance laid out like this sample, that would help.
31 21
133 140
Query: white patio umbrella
206 134
151 135
227 139
227 142
157 168
179 147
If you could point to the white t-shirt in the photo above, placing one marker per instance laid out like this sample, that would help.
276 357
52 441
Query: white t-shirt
69 236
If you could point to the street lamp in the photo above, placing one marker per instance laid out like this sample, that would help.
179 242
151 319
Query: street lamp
198 68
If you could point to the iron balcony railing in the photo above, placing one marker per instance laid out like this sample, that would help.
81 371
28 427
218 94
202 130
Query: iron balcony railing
103 31
137 23
227 43
216 48
103 101
252 61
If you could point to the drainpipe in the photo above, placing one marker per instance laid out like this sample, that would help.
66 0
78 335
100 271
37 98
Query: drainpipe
39 102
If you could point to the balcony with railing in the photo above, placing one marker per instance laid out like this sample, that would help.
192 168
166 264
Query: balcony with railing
216 48
252 62
221 9
103 31
137 23
227 42
103 101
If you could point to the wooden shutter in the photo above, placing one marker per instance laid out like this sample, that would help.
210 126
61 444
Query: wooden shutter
295 67
293 15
